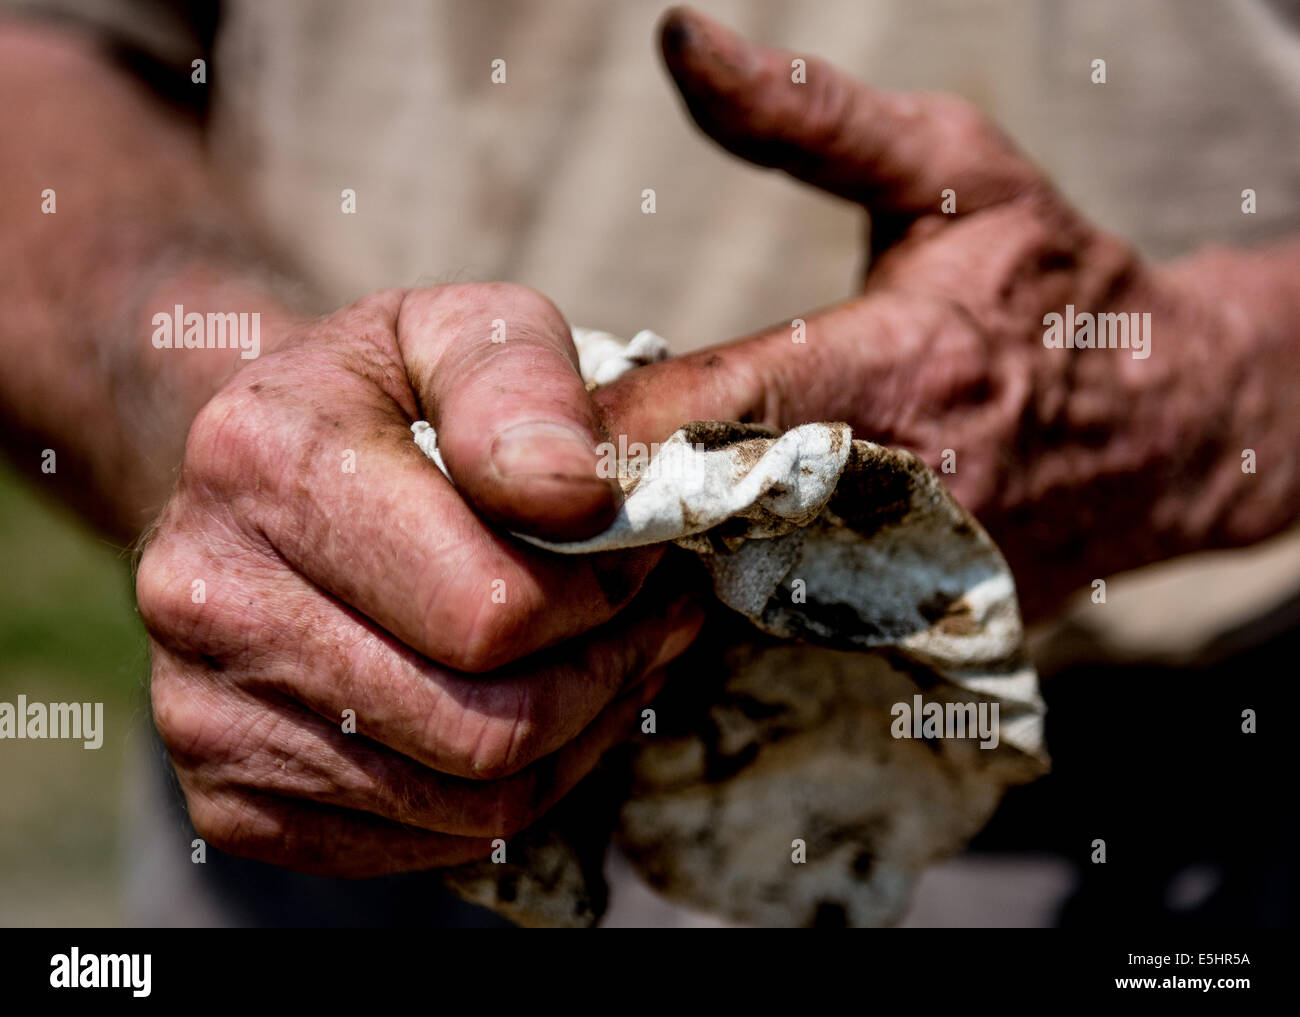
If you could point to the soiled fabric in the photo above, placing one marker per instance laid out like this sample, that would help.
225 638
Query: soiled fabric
779 785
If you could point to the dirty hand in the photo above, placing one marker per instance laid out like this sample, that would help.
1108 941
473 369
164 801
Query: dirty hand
1079 461
336 633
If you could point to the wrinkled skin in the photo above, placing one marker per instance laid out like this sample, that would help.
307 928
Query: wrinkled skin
371 591
1080 463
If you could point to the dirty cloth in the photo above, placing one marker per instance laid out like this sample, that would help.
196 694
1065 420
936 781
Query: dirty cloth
786 788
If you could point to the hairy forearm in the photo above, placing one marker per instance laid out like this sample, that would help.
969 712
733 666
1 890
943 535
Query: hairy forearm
139 223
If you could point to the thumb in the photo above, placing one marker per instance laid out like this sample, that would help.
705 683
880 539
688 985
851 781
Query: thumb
496 373
894 153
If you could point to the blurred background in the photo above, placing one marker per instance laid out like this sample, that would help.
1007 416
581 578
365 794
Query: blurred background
68 633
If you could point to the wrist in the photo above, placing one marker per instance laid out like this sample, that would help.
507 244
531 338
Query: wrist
1239 317
192 330
182 332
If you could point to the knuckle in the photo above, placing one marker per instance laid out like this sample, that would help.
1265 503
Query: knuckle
499 732
961 118
242 827
477 655
493 634
171 716
181 721
162 592
214 821
487 757
512 301
492 757
226 436
179 604
522 303
508 808
481 649
832 106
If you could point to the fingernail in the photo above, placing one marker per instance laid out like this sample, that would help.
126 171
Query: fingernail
541 448
686 33
677 32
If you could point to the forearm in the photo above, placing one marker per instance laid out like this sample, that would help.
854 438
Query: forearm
139 225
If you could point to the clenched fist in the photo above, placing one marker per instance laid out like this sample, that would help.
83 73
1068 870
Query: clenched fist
355 670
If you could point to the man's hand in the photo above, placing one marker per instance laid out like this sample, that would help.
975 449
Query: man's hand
1079 462
313 568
